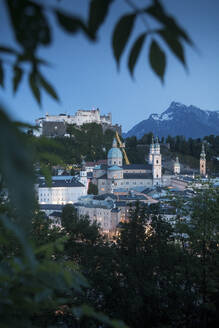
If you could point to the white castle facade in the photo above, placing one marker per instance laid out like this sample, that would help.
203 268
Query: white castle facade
116 177
81 117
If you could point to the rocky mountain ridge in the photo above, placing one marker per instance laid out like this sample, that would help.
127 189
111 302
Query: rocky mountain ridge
179 119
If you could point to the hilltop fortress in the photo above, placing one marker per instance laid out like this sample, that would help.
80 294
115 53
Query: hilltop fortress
55 125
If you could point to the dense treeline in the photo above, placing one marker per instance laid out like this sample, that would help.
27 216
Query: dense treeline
89 142
187 149
155 273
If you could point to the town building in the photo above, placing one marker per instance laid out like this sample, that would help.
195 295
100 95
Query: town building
102 211
63 190
114 176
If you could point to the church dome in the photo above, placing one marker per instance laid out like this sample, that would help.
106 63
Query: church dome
115 168
115 153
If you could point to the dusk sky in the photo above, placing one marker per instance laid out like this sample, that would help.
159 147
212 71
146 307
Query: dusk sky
85 74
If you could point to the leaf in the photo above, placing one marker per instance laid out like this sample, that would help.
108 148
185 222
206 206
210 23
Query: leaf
48 87
20 235
88 311
135 51
34 86
29 57
157 59
71 24
173 43
121 35
1 75
157 12
16 169
8 50
18 72
97 14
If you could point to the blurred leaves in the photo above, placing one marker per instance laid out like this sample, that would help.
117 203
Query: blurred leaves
72 24
157 59
135 52
121 35
173 43
88 311
16 168
97 14
18 73
1 74
158 13
34 86
31 27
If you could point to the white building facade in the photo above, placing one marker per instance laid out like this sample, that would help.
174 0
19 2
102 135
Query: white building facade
81 117
61 192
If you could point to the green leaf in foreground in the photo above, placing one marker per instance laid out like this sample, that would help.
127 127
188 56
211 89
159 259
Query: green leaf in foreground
173 43
71 24
157 59
16 169
88 311
135 51
48 87
18 72
34 86
97 14
121 35
1 74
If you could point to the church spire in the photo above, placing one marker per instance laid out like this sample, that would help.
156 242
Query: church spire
203 155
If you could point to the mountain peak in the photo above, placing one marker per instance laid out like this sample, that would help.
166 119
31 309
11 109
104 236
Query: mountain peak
179 119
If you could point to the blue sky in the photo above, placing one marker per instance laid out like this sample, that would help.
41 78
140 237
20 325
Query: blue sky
85 74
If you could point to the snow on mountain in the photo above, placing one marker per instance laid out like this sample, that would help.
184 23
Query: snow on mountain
179 119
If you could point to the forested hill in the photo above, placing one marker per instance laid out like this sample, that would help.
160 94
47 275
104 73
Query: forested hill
89 142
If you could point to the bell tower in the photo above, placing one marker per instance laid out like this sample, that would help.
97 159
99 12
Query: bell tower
176 166
151 151
83 175
203 161
157 165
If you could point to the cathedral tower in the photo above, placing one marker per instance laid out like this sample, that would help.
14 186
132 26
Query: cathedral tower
83 175
203 161
157 166
151 151
176 166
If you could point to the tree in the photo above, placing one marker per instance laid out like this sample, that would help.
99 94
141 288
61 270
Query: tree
92 189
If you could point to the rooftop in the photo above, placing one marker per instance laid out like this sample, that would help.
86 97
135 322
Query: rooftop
56 183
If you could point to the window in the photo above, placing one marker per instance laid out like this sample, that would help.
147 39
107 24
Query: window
157 161
157 175
114 162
